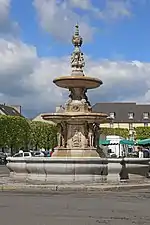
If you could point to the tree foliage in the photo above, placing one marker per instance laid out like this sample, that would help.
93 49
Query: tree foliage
43 135
123 132
14 132
142 132
19 133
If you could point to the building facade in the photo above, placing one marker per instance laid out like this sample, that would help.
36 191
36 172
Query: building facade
125 114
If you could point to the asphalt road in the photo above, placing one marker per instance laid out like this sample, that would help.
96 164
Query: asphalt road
3 171
122 208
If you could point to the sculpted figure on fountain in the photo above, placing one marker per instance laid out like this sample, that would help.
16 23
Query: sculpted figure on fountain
76 139
62 134
96 130
77 57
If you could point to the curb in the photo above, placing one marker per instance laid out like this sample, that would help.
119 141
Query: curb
70 188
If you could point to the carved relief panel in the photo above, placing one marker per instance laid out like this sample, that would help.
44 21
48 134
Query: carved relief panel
76 137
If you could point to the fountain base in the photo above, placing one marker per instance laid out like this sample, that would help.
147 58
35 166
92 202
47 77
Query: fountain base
71 153
58 170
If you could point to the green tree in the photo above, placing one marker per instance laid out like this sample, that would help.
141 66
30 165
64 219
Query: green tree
43 135
115 131
4 134
15 132
142 132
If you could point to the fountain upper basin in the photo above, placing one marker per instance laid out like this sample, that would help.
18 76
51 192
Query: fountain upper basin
91 117
77 82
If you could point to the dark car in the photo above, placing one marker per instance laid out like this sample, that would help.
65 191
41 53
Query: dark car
3 157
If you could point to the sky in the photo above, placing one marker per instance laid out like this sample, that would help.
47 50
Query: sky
35 48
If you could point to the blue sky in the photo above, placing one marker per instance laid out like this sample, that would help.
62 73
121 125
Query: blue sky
126 37
35 46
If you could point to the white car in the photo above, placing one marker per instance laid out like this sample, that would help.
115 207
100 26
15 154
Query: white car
23 154
38 154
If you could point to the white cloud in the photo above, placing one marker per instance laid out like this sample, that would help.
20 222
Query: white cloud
27 79
6 25
115 9
84 4
59 19
112 9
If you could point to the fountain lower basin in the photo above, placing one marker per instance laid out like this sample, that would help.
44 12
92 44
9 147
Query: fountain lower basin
75 170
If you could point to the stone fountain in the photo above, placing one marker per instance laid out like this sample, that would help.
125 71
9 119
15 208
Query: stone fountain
78 126
77 158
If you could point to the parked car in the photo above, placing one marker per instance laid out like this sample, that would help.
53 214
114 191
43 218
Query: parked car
3 157
38 154
23 154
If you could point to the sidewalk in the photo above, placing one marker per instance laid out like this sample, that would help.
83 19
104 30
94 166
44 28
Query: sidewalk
49 188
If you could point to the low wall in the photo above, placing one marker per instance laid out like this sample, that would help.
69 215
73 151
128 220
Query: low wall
128 169
79 170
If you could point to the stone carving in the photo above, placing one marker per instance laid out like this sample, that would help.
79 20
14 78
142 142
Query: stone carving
77 57
76 93
76 139
96 134
59 139
75 108
90 135
77 61
83 101
62 135
59 135
86 98
90 138
77 39
69 101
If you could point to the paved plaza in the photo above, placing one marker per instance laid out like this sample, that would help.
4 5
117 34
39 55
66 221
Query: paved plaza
112 208
66 208
3 171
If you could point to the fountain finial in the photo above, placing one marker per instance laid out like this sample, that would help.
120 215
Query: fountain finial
77 57
77 39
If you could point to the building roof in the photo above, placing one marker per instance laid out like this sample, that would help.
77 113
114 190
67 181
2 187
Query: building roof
8 110
122 110
40 119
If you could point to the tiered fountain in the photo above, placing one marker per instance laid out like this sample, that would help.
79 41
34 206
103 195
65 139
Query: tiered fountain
77 158
78 125
78 151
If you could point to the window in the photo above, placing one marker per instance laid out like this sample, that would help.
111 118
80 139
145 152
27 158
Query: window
18 155
130 126
145 115
112 115
26 154
131 115
145 124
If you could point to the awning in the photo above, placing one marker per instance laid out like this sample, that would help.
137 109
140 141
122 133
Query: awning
104 142
143 142
127 142
107 142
